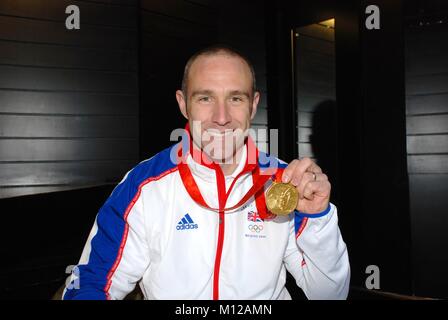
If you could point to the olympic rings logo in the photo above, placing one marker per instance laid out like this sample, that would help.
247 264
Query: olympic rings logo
255 228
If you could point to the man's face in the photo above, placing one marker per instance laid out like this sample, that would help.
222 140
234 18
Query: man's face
219 105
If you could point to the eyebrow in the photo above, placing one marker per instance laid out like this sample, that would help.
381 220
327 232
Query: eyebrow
241 93
209 92
201 92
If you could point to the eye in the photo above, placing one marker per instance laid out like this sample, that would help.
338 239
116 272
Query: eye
236 99
204 99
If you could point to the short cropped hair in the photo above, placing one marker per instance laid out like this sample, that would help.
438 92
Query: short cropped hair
216 50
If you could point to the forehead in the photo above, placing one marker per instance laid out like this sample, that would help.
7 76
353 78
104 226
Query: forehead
219 69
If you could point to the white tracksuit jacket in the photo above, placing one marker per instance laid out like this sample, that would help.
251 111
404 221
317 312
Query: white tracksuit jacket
150 231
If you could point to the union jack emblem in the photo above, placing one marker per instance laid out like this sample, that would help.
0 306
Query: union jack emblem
254 216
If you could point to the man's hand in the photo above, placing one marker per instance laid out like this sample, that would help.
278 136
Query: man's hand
313 185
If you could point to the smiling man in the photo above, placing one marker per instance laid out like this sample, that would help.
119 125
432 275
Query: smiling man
196 226
219 100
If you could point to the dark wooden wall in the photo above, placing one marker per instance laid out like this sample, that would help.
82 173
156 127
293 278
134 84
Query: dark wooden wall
68 98
427 143
81 107
385 220
68 119
371 130
315 83
315 67
391 90
42 235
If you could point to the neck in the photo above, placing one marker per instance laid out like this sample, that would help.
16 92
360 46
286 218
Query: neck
230 167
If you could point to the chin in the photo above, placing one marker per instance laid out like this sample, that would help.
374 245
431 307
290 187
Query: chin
225 156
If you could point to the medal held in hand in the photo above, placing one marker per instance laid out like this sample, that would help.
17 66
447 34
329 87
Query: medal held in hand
281 198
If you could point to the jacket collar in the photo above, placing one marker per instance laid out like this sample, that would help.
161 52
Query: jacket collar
202 167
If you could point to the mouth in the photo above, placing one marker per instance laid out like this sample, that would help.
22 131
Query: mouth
220 134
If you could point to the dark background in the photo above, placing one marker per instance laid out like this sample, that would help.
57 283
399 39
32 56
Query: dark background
78 108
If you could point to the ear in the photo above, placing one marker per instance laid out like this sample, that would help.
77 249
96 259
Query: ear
255 104
182 102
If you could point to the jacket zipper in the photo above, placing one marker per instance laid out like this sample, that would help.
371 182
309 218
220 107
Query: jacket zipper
221 184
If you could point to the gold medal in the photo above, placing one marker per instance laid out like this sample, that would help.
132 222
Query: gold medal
281 198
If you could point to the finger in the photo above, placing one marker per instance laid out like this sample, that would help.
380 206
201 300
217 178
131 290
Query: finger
320 188
314 167
304 165
321 177
307 177
310 177
288 172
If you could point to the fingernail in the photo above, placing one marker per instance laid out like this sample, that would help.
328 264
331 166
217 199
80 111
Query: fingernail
285 178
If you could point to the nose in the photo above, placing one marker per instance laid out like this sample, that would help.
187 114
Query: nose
221 115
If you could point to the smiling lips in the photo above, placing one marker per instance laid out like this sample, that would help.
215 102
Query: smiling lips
219 134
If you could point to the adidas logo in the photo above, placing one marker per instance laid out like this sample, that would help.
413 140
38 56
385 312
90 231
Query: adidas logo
186 223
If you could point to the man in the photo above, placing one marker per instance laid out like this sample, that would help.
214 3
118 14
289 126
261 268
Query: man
192 222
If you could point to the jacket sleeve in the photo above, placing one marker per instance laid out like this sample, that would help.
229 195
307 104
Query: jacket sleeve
324 269
115 255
